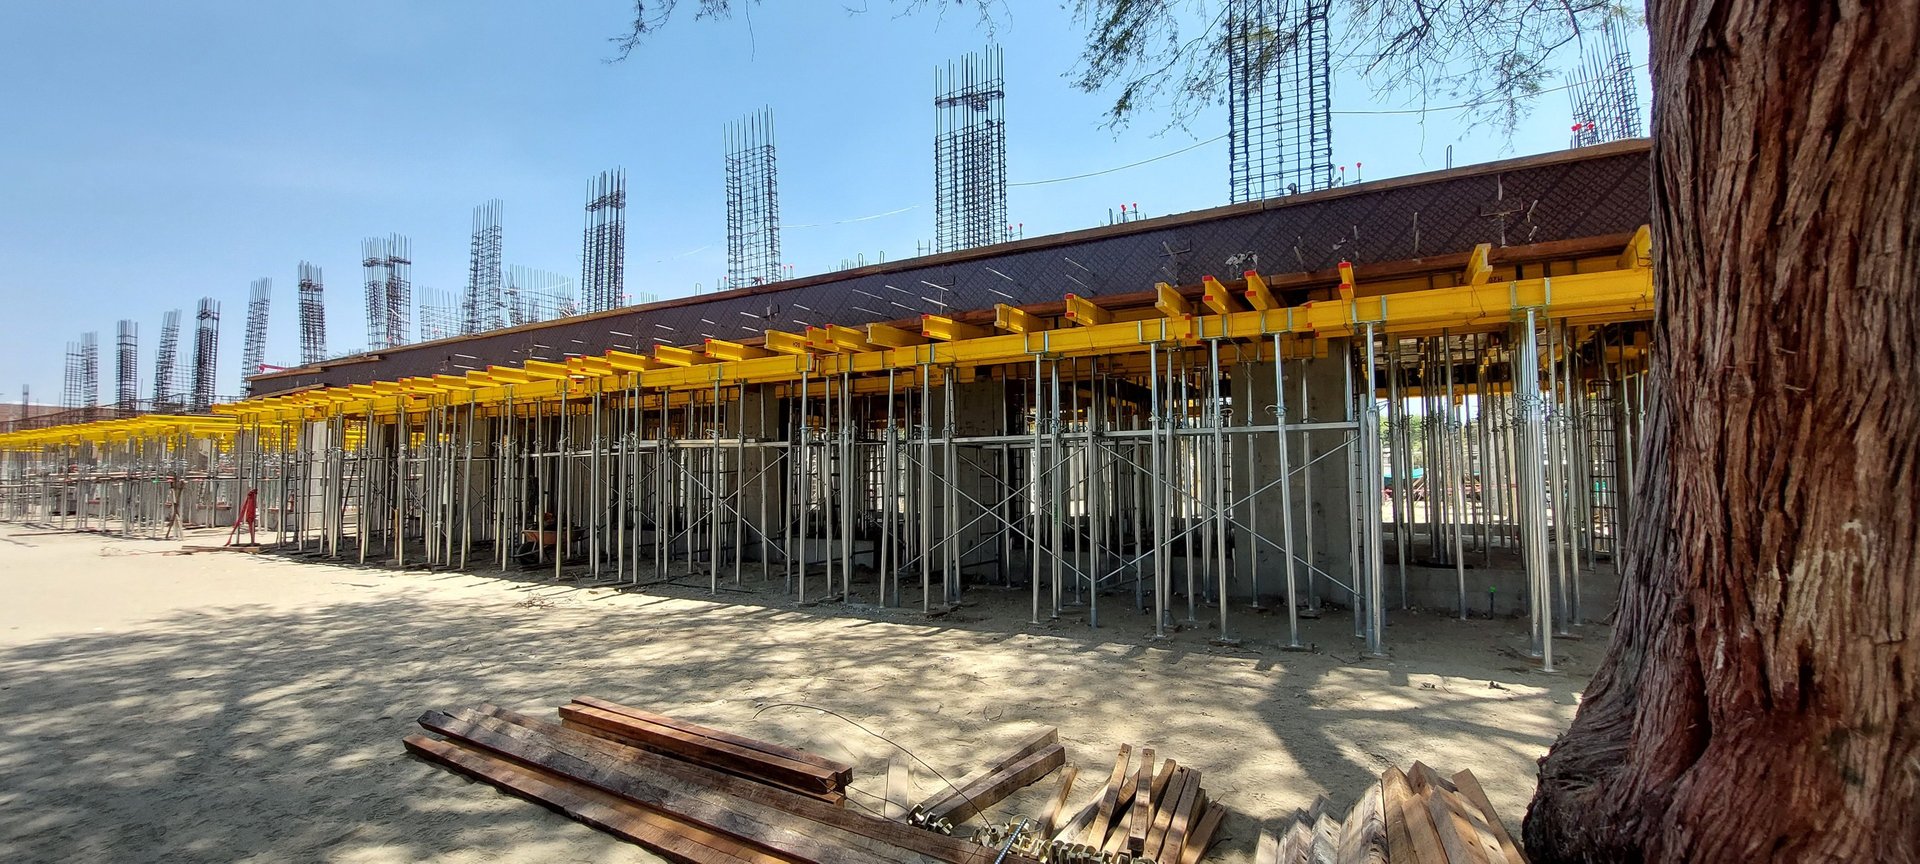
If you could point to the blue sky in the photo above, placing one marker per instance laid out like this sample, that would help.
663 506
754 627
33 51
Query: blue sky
156 153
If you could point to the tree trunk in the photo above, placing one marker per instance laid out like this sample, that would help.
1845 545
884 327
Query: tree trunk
1760 699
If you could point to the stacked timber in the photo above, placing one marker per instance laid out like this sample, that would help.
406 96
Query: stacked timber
1144 814
1410 817
686 792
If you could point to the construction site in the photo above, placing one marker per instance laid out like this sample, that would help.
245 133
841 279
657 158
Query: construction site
1303 493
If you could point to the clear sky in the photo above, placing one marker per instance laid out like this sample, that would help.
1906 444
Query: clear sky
156 153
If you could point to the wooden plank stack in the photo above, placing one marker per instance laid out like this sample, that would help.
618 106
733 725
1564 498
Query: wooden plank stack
687 792
1145 813
1411 817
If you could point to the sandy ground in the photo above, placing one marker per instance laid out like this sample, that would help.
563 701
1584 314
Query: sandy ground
225 707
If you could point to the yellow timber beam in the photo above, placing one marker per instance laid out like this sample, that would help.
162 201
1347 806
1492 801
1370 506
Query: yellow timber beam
1171 302
1016 320
1085 312
1259 296
674 355
890 336
721 349
1217 297
946 329
787 343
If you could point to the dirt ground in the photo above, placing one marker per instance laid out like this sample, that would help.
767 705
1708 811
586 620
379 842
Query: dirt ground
226 707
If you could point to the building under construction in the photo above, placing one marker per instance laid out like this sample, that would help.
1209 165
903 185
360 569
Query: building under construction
1331 402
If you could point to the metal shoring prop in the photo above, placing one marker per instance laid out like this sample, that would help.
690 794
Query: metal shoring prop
1218 480
1370 525
1306 491
1056 488
1556 461
1092 492
926 484
804 473
1400 452
1034 481
1286 489
1161 574
848 475
1361 592
714 491
739 481
889 478
1459 453
1526 367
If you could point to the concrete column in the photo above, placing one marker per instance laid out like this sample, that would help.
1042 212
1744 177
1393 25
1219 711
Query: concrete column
1331 505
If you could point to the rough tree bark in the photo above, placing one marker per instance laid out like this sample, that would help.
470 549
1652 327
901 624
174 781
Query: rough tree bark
1760 699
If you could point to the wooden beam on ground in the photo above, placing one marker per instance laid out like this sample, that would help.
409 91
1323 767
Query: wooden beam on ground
1050 817
949 849
1465 835
1363 837
1410 832
1142 804
718 755
677 839
1163 812
898 791
842 772
1182 818
980 794
1202 836
1027 746
1096 833
1470 789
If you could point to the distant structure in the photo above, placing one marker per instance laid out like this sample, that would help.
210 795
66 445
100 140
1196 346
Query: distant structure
389 273
439 318
253 351
126 367
82 386
1606 104
970 152
753 202
603 251
206 352
1279 98
166 367
537 295
313 315
482 308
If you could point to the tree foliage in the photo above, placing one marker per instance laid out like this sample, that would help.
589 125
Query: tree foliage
1170 55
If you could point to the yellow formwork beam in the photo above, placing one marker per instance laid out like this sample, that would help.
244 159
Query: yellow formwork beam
946 329
1016 320
1217 297
846 338
787 343
721 349
889 336
1170 302
1085 312
1259 296
674 355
